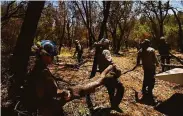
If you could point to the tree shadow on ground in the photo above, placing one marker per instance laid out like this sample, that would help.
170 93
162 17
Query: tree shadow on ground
172 106
102 112
124 53
68 66
8 111
118 54
105 112
145 99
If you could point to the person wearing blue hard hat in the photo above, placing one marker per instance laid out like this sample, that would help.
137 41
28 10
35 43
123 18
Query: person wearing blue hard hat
52 48
41 91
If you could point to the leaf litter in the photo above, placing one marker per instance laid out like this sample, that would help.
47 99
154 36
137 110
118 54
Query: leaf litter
131 81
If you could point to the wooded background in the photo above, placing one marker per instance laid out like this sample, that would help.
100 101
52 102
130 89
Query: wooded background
127 22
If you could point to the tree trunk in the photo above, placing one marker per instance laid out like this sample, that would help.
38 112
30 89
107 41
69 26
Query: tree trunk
87 22
68 34
122 31
180 41
118 45
118 41
25 39
62 38
90 39
91 36
63 33
106 34
155 33
106 14
161 29
94 68
114 40
102 29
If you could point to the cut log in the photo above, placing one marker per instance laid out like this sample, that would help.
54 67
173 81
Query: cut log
178 59
172 66
175 76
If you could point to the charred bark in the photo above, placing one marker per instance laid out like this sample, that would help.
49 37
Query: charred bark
102 30
25 39
94 68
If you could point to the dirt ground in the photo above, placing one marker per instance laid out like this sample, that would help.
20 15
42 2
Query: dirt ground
132 82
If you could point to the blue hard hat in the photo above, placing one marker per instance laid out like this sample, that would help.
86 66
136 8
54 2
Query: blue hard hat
49 46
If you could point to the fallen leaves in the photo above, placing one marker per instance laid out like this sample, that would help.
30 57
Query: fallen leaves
131 81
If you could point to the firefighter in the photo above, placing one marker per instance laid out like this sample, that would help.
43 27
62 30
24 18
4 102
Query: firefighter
104 60
41 91
149 62
164 51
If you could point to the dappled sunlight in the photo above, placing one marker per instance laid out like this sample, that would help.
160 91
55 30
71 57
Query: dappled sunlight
60 45
132 82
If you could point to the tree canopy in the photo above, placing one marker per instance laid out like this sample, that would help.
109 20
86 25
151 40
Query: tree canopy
65 21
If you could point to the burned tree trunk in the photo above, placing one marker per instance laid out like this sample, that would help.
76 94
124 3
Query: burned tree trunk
102 30
106 14
114 39
25 39
94 68
180 41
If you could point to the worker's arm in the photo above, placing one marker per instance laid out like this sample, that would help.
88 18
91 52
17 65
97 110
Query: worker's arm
111 67
84 89
157 62
137 63
138 59
156 59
